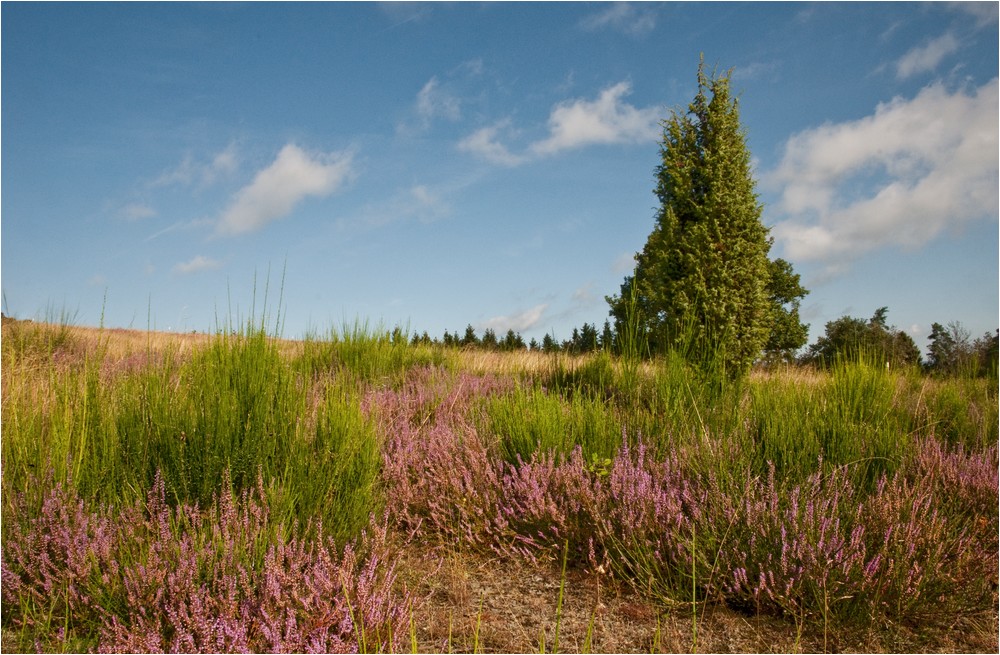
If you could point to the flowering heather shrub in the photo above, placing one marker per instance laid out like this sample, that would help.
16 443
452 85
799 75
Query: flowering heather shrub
965 481
829 547
52 562
648 516
435 467
445 480
794 550
824 549
184 580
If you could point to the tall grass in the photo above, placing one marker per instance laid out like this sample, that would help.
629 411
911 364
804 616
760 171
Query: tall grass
530 421
372 354
234 407
854 417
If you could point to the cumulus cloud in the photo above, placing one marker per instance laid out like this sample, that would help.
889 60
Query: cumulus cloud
573 124
621 17
520 322
606 120
484 144
195 264
899 177
293 176
925 58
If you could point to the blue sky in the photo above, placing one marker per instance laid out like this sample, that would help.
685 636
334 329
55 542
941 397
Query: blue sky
437 165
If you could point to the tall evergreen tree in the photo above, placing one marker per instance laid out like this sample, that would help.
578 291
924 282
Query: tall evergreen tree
702 277
489 340
470 338
607 337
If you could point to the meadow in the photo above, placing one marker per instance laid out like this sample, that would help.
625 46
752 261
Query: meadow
355 492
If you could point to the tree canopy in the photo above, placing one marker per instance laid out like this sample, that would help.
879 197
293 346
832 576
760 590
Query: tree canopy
849 337
703 278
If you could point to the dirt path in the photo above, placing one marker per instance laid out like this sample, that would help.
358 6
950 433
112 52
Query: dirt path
467 602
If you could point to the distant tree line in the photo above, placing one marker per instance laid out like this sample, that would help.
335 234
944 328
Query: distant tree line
952 350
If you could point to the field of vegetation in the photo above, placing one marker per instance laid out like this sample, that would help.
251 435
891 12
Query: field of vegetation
359 492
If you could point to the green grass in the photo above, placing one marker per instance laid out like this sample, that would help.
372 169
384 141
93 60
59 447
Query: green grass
235 408
371 354
531 420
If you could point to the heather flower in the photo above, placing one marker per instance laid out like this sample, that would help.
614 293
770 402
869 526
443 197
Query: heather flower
155 578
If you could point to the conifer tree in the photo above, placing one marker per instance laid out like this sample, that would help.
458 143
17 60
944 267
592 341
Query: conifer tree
489 340
470 338
701 280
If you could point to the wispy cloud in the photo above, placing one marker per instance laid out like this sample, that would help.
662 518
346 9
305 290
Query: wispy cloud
985 13
276 190
622 17
937 159
624 263
196 264
519 322
200 172
136 211
585 295
606 120
926 58
755 70
418 202
433 102
400 13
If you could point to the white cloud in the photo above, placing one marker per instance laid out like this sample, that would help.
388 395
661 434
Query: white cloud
198 263
755 70
190 172
622 17
624 263
585 295
293 176
606 120
925 58
899 177
136 211
573 124
418 202
520 322
427 204
484 143
985 13
223 163
433 102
